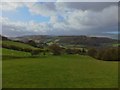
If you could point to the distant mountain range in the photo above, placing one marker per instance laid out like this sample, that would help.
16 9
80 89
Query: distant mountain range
68 40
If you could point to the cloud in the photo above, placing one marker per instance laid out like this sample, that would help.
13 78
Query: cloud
66 18
96 19
11 28
10 6
44 9
20 0
94 6
59 0
88 21
87 0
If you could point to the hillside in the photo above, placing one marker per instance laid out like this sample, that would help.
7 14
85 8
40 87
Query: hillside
3 38
13 53
5 43
84 40
69 40
36 38
18 44
72 71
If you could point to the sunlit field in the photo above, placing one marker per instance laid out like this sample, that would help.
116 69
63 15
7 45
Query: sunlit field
66 71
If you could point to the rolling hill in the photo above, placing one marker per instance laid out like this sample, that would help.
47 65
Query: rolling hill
10 42
11 48
69 40
18 44
21 70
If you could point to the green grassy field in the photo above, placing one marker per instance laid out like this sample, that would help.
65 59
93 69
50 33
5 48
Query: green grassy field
116 45
18 44
9 52
66 71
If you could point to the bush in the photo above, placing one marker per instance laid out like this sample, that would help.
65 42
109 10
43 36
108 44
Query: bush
73 51
16 48
36 51
55 49
69 51
99 54
92 52
32 43
108 54
83 51
11 47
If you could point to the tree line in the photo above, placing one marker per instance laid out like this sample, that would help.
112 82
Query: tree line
33 51
55 49
110 53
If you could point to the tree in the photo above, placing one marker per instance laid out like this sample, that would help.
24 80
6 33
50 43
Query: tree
110 54
45 51
73 51
55 49
32 43
83 51
36 52
69 51
99 53
92 52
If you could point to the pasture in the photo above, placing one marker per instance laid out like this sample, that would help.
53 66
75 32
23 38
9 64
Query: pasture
18 44
65 71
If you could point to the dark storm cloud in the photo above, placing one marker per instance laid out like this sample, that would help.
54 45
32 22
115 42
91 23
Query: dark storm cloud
49 5
95 6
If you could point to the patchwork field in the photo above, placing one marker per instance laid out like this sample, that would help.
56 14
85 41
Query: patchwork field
66 71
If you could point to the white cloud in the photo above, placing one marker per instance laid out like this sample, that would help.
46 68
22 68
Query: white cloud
53 19
95 19
74 21
87 20
44 9
9 6
31 27
19 0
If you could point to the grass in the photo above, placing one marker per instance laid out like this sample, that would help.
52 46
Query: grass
66 71
18 44
116 45
11 54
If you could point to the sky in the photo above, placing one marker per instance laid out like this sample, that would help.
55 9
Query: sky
59 18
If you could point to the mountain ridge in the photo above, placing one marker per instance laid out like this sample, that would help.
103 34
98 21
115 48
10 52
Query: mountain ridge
68 40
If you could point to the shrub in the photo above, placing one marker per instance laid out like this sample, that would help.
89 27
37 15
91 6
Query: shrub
75 51
99 54
69 51
110 54
32 43
83 51
92 52
36 51
55 49
11 47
